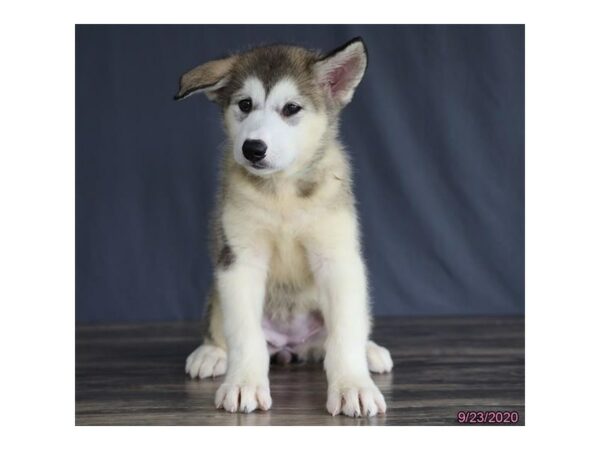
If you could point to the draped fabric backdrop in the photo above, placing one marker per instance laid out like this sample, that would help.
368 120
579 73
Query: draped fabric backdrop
435 132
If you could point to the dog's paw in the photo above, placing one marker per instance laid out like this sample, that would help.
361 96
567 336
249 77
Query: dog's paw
243 397
206 361
379 358
355 398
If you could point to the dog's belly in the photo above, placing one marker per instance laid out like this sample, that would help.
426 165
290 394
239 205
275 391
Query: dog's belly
286 337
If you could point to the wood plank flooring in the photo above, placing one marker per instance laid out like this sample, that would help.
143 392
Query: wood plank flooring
134 375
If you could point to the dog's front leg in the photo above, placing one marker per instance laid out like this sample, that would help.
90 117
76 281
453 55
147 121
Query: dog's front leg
340 274
241 288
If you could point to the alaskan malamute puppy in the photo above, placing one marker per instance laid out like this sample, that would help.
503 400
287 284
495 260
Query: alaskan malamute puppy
289 280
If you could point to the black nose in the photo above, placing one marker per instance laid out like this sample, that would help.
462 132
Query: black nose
254 150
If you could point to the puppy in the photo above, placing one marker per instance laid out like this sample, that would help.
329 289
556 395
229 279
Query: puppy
289 279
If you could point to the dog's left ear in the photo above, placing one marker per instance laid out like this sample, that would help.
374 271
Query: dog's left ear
340 71
207 78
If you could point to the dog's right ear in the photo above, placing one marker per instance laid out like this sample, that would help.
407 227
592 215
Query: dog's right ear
207 78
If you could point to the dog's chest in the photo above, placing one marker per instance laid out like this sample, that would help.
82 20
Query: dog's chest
285 224
289 266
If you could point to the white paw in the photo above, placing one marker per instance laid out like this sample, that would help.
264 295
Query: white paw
206 361
243 397
379 358
355 398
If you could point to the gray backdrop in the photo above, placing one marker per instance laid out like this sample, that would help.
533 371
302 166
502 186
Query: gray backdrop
435 131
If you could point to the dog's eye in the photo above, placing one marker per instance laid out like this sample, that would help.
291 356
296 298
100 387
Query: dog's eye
290 109
245 105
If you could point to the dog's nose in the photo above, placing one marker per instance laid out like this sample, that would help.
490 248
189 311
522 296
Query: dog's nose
254 150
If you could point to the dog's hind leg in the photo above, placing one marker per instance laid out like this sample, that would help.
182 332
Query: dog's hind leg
378 358
210 358
206 361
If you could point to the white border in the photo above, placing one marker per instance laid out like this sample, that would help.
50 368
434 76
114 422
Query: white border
37 198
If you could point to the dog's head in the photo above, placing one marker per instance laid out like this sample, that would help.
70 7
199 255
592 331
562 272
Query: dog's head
279 102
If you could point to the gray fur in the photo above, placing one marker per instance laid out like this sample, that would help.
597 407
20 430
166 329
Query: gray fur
226 257
270 64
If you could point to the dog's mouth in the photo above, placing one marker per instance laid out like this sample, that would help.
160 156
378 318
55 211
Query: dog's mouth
259 165
260 168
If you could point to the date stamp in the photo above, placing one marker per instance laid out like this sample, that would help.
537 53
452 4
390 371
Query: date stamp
475 417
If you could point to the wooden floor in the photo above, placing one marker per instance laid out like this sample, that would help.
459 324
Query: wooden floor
134 375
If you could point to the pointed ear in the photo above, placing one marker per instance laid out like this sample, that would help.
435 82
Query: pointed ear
208 78
340 71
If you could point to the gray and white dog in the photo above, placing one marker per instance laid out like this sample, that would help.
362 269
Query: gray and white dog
289 278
